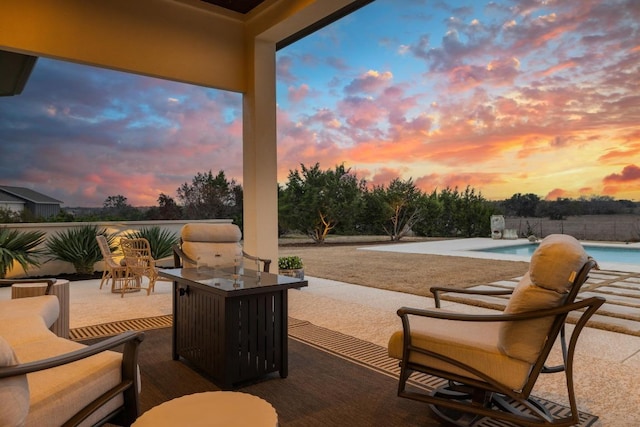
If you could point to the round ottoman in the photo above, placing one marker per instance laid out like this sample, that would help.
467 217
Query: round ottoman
215 408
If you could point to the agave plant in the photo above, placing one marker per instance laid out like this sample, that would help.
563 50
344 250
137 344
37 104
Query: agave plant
160 240
21 247
78 246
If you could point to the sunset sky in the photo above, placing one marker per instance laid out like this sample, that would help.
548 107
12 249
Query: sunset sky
530 96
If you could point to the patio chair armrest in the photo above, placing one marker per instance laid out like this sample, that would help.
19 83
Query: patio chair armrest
265 261
131 339
49 282
438 290
405 312
179 257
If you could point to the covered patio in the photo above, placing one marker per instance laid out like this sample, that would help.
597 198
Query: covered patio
607 362
204 43
216 44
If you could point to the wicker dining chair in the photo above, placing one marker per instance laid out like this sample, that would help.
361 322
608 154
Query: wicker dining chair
113 270
138 263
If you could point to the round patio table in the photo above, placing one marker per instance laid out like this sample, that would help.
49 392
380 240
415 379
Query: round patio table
214 408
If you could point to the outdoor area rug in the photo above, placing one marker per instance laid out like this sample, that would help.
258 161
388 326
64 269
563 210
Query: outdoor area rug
334 379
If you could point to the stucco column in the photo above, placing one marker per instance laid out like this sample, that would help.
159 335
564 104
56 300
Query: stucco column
260 153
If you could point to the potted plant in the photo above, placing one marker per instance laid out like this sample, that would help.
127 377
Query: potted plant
291 266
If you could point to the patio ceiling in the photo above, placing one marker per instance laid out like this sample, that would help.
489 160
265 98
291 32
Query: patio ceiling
240 6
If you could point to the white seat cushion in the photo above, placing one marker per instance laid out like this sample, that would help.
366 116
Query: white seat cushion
45 306
212 233
25 329
472 343
213 254
59 393
216 245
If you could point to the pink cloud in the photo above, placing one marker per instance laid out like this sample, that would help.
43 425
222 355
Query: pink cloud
556 68
298 94
283 69
384 176
586 191
630 173
369 82
500 72
615 155
556 194
477 180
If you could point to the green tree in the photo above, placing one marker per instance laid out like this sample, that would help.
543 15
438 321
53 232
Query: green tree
396 208
8 216
209 197
117 208
431 212
473 214
448 221
524 205
315 202
168 208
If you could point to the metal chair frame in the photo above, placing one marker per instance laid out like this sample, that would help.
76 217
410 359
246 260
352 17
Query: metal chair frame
464 400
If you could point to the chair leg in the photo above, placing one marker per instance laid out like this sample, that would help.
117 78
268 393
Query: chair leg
152 283
105 277
126 284
458 392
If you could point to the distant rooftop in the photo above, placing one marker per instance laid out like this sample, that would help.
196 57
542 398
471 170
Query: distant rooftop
29 195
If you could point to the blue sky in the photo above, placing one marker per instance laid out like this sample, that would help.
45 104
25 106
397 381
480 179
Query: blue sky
506 96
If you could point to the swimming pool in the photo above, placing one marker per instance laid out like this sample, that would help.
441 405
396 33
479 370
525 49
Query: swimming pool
599 253
610 256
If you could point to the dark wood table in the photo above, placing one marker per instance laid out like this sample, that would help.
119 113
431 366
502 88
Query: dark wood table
231 326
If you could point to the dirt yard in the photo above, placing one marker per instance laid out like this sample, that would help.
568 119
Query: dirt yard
410 273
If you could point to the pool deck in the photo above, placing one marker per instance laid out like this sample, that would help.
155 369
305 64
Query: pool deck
469 248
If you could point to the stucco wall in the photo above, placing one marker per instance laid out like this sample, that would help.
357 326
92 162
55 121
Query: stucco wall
120 228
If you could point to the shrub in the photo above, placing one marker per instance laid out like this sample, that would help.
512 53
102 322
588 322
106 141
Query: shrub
160 240
292 262
78 246
19 246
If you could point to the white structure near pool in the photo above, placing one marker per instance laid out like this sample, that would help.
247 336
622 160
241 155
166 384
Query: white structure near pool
610 256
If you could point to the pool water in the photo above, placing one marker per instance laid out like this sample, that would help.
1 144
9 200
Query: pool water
599 253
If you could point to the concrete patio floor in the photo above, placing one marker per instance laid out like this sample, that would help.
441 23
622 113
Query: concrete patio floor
607 369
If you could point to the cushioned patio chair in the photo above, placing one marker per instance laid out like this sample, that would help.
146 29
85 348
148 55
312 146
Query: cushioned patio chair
47 380
490 363
216 245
